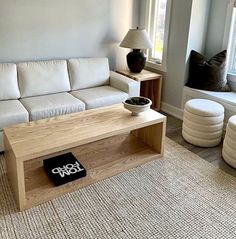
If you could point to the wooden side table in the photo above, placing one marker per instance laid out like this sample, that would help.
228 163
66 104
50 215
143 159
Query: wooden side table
151 85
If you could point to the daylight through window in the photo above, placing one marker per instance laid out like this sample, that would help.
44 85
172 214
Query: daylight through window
157 13
232 45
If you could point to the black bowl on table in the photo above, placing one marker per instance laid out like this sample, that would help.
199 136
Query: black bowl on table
137 104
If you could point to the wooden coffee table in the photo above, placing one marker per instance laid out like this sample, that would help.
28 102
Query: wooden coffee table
107 141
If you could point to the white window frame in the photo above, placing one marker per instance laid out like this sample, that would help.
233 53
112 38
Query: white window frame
227 43
150 63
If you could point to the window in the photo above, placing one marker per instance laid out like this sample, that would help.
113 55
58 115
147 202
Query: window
157 24
230 39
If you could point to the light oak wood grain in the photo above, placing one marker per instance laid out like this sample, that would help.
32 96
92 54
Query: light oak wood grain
144 75
99 138
15 173
44 137
151 85
117 155
153 135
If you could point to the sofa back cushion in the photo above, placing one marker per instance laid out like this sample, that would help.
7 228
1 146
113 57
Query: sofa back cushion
88 72
43 77
9 89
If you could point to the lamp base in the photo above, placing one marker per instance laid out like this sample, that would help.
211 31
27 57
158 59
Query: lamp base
136 61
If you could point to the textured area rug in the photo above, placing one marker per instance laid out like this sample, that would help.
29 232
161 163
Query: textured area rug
178 196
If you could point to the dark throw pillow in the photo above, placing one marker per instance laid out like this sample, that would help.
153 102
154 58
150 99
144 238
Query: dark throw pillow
207 74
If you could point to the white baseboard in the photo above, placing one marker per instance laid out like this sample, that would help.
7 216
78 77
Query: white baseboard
172 110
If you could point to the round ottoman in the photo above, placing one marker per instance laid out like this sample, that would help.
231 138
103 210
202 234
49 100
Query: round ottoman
229 145
203 122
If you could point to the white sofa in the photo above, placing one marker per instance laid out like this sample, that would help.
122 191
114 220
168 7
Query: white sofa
37 90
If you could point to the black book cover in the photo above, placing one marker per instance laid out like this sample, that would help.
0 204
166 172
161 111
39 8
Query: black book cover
64 168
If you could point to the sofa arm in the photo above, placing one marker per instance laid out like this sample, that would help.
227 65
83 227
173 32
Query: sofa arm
124 83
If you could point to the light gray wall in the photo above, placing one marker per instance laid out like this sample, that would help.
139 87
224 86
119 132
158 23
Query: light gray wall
197 30
216 27
177 48
188 29
198 26
58 29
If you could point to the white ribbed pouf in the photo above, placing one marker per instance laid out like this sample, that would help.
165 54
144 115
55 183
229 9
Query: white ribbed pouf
229 145
203 122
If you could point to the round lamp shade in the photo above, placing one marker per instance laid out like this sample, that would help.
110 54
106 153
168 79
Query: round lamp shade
136 39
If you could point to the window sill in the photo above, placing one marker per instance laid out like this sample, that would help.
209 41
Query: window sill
232 81
156 66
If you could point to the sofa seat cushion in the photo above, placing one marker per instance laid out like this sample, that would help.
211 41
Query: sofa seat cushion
12 112
43 77
46 106
100 96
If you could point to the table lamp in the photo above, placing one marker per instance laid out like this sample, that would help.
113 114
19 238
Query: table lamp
136 39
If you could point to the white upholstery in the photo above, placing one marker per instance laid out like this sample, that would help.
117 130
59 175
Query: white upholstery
201 134
228 158
88 72
203 127
213 120
12 112
199 141
230 141
232 122
41 107
9 89
100 96
43 77
203 122
229 145
124 83
204 107
227 99
230 133
229 150
223 98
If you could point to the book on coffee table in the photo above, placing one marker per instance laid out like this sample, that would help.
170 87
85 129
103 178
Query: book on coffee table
64 168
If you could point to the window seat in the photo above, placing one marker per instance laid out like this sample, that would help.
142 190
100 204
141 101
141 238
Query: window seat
227 99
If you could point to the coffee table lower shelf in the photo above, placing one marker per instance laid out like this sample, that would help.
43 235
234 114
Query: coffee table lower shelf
102 159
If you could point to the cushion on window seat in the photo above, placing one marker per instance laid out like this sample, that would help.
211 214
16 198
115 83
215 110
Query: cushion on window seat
12 112
46 106
221 97
207 74
100 96
227 99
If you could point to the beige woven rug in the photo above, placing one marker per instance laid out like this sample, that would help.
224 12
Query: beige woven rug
178 196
